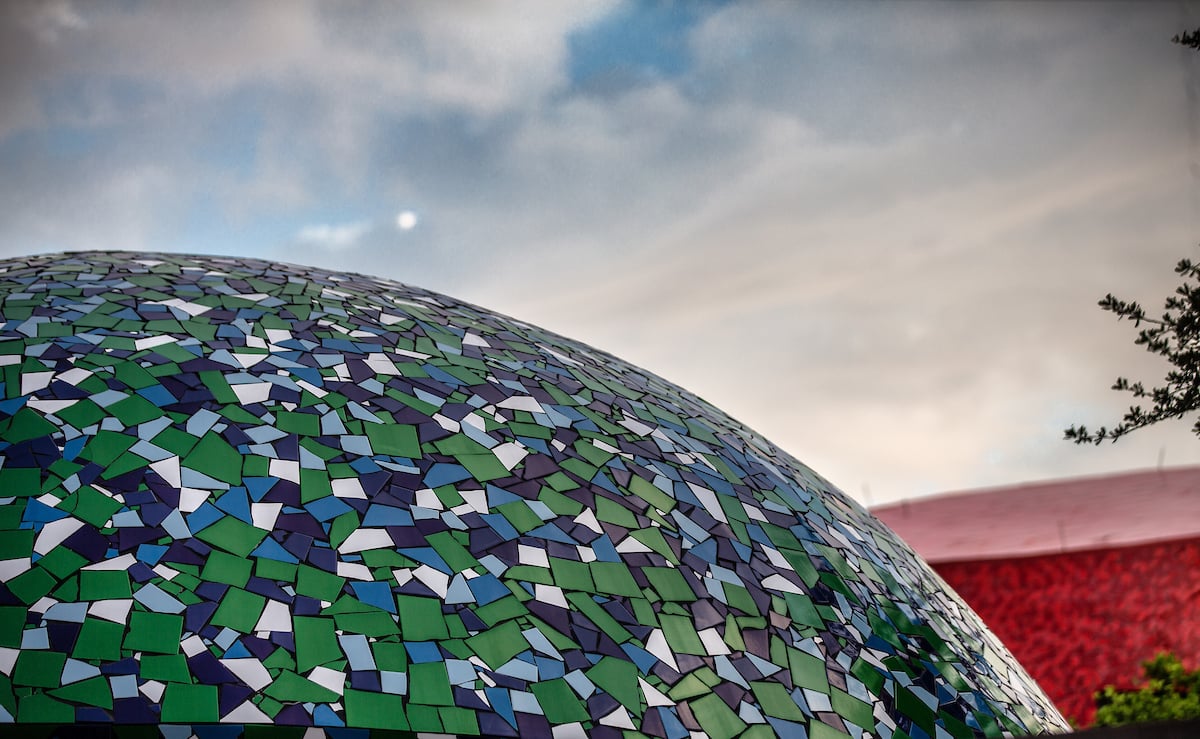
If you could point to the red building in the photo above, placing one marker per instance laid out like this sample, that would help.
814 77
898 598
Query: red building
1082 579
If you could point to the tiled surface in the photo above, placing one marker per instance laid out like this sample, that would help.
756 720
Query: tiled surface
247 493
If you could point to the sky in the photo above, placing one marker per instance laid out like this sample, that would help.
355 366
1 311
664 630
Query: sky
873 232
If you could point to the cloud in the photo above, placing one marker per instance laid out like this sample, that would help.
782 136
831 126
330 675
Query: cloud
336 237
910 309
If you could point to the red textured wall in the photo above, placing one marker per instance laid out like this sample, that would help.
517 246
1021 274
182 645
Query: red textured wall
1081 620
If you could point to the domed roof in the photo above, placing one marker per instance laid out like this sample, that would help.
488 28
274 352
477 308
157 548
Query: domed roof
253 493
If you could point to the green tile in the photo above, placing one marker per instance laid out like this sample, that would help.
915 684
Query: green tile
239 610
818 730
91 505
184 704
26 424
166 667
669 583
390 656
592 453
802 564
421 618
461 721
643 612
429 684
394 439
651 494
579 468
31 585
370 710
560 704
134 410
228 569
483 467
255 466
213 379
12 624
106 446
175 441
610 511
571 575
42 709
316 643
160 633
454 553
559 503
719 720
561 482
306 424
314 484
614 578
99 639
23 482
82 414
214 457
16 544
681 635
280 659
733 634
689 686
808 671
11 514
618 678
424 719
499 644
104 585
39 669
775 701
739 598
133 375
319 584
957 728
851 709
529 573
342 527
520 516
93 692
869 675
232 535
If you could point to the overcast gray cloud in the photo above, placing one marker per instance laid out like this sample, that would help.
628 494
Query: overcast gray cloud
874 232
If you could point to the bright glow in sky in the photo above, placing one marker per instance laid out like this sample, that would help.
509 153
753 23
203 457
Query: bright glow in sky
873 232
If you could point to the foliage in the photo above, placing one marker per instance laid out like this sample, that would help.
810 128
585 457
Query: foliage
1190 39
1176 337
1171 693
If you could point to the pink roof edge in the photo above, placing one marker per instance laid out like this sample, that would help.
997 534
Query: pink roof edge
1096 512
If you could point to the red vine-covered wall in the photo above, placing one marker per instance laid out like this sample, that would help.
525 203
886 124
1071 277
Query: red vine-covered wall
1081 620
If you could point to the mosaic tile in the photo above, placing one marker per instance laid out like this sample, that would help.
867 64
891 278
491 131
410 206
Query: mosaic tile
250 499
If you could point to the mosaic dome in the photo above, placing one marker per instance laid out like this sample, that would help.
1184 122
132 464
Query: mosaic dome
245 493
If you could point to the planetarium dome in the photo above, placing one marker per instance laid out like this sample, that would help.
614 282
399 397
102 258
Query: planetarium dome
236 494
